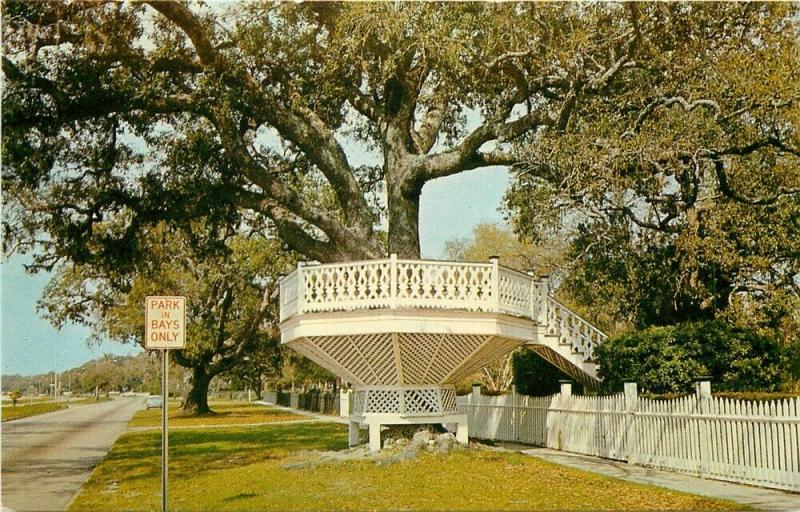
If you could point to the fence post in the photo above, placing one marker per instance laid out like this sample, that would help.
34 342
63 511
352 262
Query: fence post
472 408
562 422
566 389
344 402
631 391
514 415
393 280
702 387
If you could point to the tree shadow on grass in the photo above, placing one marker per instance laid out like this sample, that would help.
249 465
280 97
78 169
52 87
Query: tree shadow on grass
137 455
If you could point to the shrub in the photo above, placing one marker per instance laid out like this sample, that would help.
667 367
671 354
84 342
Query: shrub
536 377
791 364
667 359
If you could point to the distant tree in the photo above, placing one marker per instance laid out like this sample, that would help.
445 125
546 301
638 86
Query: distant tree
15 396
229 312
544 257
298 369
101 375
667 359
262 363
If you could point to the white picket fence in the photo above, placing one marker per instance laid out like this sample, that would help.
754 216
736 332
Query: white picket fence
742 441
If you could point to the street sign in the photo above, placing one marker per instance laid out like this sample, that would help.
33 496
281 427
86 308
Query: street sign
164 329
165 322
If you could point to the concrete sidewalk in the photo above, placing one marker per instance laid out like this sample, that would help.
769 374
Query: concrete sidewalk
757 497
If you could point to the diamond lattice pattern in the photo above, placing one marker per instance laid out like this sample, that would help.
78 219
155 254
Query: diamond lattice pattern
404 358
421 400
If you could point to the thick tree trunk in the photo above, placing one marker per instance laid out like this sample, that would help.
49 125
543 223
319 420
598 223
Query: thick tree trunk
403 224
196 401
402 196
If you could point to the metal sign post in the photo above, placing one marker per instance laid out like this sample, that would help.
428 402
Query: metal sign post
164 329
164 429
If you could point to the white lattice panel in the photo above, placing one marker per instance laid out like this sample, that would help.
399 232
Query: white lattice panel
405 400
430 358
449 400
419 401
383 401
370 358
494 348
309 349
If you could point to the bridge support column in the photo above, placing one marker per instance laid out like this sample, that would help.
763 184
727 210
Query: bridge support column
353 436
374 437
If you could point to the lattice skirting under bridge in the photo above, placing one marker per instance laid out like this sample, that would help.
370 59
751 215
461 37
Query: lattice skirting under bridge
405 400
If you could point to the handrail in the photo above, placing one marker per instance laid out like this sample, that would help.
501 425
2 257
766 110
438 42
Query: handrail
402 283
579 317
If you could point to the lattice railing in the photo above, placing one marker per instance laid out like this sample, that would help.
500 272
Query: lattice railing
571 329
393 283
405 400
289 294
515 292
345 286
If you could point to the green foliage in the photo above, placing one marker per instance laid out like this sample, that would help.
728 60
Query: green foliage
624 283
15 396
667 359
679 186
230 318
299 370
33 409
534 376
543 257
791 365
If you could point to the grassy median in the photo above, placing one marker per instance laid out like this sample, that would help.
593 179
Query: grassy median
243 468
225 413
24 408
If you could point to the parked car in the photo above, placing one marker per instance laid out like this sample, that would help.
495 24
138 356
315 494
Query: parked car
154 401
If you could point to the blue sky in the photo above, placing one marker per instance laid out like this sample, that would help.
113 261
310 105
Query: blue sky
450 208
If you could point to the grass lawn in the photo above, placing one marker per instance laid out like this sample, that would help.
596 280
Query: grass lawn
225 413
25 408
242 469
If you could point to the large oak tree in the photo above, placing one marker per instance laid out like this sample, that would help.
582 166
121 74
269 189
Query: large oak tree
681 193
117 117
96 93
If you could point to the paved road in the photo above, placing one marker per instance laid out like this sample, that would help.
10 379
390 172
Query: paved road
47 458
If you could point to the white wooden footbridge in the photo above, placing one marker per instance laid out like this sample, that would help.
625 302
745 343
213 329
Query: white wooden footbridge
402 332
